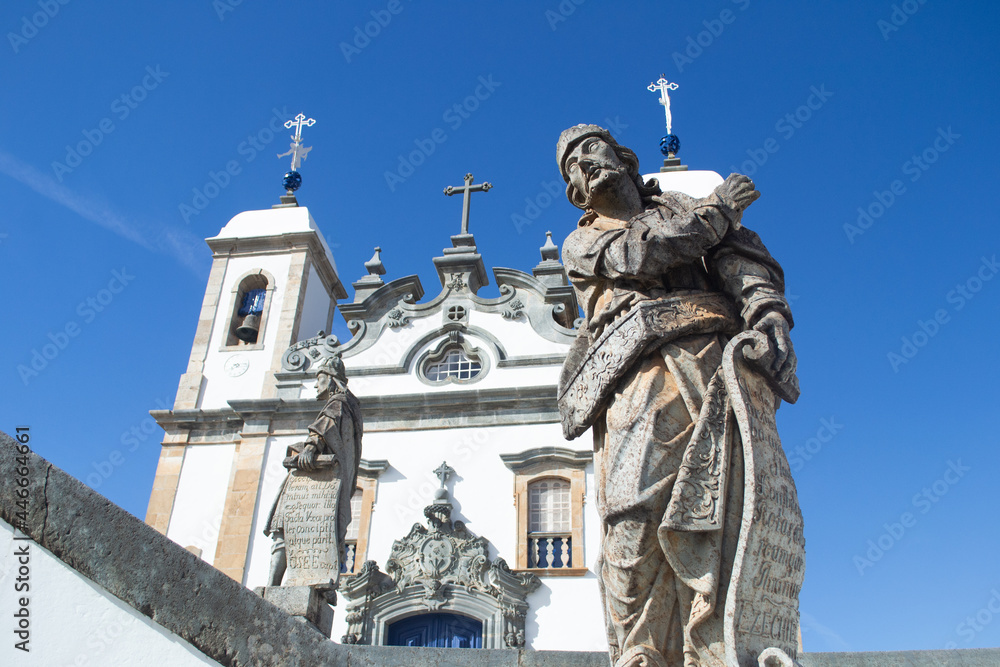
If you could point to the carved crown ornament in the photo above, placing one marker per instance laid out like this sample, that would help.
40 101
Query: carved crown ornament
439 567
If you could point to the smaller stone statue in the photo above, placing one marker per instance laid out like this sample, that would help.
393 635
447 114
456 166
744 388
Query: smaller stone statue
309 519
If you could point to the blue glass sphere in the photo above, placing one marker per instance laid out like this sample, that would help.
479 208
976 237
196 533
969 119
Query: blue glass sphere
670 144
292 181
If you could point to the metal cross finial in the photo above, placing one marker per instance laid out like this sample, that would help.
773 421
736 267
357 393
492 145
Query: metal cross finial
467 189
299 121
298 153
664 87
443 471
296 149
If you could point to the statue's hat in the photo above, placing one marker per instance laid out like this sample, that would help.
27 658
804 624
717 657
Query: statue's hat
571 137
333 365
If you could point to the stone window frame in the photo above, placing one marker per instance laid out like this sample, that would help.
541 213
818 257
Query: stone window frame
454 339
229 335
368 474
533 465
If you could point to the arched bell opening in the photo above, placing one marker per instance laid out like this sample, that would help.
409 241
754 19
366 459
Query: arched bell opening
251 301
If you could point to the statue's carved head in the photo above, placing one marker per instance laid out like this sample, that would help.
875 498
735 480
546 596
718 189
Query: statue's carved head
331 375
590 159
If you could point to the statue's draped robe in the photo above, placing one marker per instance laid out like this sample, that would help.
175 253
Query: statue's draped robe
336 431
663 585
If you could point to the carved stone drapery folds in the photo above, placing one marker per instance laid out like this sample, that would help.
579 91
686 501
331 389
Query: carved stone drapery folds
440 567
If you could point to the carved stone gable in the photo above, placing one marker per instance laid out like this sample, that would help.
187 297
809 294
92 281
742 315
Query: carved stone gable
439 567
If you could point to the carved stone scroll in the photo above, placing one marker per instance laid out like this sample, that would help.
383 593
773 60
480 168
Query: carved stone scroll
762 607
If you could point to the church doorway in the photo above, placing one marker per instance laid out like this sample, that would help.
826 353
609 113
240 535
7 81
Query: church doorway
437 630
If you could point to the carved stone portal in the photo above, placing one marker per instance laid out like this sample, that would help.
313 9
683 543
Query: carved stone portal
440 567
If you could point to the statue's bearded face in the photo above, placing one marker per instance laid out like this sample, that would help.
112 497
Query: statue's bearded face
594 168
323 383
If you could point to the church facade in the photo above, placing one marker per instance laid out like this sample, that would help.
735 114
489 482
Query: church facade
463 451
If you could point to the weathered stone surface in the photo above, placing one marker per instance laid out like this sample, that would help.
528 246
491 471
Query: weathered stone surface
154 575
665 281
309 517
311 527
303 602
762 607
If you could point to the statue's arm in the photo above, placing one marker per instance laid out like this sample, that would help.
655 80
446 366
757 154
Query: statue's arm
650 245
750 276
755 281
751 287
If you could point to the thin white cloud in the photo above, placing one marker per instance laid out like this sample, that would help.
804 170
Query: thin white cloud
179 244
811 628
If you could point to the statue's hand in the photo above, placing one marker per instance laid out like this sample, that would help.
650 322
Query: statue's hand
307 457
776 327
740 190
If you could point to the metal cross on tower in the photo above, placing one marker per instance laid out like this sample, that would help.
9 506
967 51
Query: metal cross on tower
664 87
467 190
299 121
443 471
296 149
298 153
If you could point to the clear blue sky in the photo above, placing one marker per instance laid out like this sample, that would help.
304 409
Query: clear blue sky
901 126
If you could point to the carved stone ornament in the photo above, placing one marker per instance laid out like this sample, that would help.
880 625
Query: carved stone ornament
396 318
439 567
310 352
513 310
456 283
588 378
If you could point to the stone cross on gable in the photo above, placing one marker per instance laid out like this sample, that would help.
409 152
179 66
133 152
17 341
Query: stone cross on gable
664 87
443 472
467 190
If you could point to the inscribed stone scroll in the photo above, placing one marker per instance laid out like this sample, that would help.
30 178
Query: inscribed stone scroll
762 609
310 507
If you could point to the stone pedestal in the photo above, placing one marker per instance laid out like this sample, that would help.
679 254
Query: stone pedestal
305 603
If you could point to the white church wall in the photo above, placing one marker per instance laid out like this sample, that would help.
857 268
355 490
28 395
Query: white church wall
482 491
274 474
409 383
201 496
570 607
516 336
564 614
315 307
496 378
482 487
75 622
393 343
219 386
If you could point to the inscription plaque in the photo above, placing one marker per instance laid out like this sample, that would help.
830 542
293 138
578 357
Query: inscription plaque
310 514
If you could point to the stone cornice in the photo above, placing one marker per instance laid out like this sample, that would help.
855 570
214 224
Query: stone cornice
556 456
264 245
394 412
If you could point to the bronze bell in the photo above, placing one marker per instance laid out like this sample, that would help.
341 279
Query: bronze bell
247 332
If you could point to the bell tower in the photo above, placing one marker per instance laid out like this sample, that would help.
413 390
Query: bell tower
273 281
